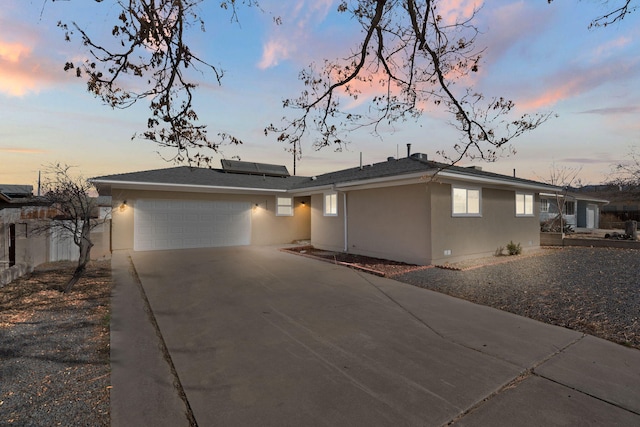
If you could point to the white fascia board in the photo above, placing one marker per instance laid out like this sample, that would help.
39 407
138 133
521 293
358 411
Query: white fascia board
307 191
426 177
413 178
190 188
410 178
577 197
496 181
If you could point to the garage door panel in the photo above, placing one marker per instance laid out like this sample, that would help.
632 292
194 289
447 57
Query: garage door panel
178 224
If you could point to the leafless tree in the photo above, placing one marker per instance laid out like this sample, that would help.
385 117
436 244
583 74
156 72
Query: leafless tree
565 178
411 58
75 213
628 172
409 54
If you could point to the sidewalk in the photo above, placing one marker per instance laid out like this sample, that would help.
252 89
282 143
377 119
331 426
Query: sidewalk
484 366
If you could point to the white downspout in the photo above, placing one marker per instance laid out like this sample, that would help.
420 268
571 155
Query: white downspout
346 242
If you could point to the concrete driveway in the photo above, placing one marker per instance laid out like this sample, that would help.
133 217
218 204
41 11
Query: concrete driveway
256 336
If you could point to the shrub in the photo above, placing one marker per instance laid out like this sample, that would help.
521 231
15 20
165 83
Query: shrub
514 249
499 251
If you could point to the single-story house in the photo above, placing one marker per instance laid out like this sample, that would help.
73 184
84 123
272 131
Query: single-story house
409 209
579 210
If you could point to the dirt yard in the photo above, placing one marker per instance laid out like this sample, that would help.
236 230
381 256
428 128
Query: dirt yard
55 348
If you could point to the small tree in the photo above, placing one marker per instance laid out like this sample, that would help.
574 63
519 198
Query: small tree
74 216
627 173
564 177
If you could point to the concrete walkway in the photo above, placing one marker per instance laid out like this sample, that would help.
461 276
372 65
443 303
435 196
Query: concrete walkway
254 336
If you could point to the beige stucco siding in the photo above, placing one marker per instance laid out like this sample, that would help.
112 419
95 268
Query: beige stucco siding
327 232
468 237
266 227
390 223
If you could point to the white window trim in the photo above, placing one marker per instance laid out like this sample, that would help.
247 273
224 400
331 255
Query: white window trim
334 210
524 201
279 205
466 214
545 205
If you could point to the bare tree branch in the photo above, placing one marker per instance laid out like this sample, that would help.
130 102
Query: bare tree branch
408 54
415 59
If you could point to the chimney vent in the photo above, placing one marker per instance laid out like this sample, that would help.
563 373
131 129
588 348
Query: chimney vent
408 150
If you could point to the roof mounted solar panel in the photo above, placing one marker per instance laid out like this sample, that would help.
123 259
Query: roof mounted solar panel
251 168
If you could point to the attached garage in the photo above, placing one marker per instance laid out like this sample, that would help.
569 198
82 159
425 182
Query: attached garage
183 224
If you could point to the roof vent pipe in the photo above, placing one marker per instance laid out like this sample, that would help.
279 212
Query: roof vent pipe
361 160
409 150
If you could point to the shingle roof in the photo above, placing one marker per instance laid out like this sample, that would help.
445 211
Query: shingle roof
185 175
406 166
15 190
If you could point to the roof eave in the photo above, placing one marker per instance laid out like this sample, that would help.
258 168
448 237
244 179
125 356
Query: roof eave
192 188
426 176
509 182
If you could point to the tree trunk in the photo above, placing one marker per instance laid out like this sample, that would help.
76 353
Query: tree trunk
85 255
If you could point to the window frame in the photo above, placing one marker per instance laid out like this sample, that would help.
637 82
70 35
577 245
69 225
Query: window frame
545 205
280 205
330 209
524 212
466 214
565 210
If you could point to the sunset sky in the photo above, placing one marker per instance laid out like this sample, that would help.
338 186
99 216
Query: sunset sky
542 56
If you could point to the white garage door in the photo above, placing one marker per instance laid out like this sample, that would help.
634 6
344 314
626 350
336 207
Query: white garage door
181 224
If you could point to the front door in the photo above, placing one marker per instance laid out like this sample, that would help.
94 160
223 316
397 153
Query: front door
591 216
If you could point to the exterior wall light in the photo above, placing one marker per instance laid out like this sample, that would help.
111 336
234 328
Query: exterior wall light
123 206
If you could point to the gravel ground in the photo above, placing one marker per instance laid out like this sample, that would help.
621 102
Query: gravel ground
54 351
591 290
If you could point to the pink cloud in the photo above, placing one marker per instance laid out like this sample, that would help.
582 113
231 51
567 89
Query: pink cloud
292 39
23 69
458 10
18 150
575 81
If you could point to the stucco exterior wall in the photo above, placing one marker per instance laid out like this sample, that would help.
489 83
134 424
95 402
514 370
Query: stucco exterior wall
390 223
266 227
467 237
327 232
31 249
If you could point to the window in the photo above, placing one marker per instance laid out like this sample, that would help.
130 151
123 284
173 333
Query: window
524 204
544 205
466 201
331 204
569 208
284 206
